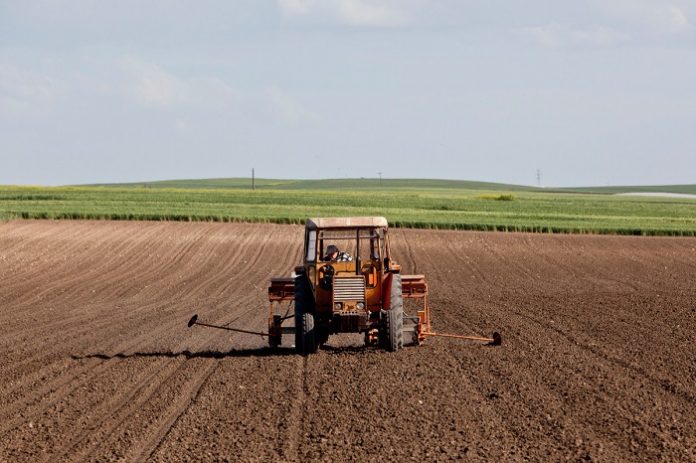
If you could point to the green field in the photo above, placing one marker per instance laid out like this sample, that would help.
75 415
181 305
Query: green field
419 206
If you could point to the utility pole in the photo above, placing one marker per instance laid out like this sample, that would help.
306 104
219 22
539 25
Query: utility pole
253 180
380 178
539 177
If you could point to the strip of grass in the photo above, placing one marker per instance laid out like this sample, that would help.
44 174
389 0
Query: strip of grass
417 208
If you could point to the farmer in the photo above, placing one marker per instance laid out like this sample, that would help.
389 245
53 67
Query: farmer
334 255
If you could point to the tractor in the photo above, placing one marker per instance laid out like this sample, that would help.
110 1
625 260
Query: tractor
348 283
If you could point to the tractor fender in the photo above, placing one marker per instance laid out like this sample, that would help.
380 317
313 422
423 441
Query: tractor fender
386 290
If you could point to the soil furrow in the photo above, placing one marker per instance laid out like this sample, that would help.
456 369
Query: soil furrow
98 364
145 450
291 437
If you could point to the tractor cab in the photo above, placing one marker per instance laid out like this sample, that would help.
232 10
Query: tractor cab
353 281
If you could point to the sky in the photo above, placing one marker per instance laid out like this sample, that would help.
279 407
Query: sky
585 92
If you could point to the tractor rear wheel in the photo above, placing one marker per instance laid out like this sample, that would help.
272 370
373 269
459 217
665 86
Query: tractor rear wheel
306 328
394 317
305 340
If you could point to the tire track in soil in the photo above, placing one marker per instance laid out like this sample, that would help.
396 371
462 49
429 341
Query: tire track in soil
250 323
144 451
91 404
117 417
66 380
292 436
139 427
49 395
46 396
191 417
237 316
113 413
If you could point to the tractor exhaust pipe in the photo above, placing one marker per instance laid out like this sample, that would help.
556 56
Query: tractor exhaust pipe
194 321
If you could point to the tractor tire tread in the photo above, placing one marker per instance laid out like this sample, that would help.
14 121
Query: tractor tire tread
305 339
394 317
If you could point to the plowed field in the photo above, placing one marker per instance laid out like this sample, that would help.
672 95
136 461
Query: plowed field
598 360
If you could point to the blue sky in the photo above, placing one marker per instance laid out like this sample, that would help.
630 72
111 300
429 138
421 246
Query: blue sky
590 92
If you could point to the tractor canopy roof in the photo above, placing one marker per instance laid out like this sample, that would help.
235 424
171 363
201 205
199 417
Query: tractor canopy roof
346 222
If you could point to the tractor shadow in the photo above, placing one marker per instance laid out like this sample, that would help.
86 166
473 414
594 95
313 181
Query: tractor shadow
347 350
206 354
213 354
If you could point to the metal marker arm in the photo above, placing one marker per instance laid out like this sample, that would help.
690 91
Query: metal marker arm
194 321
496 340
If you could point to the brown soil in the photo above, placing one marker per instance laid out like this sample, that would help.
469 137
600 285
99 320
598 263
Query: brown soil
598 361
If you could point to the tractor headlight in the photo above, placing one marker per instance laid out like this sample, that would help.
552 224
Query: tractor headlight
338 305
361 305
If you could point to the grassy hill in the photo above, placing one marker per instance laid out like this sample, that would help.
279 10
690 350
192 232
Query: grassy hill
206 183
386 184
329 184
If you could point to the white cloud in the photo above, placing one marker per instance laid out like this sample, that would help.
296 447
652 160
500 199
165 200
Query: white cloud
24 92
287 108
376 13
558 36
152 85
652 15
